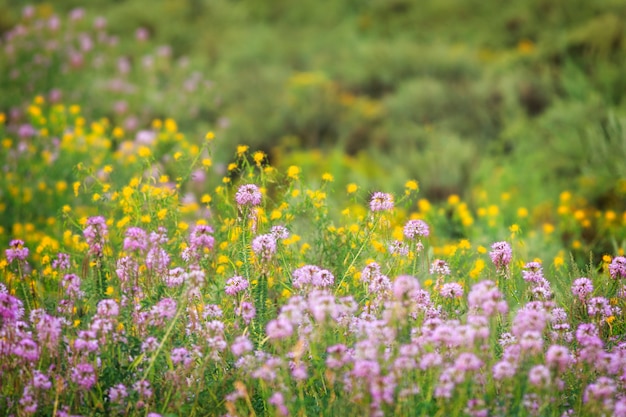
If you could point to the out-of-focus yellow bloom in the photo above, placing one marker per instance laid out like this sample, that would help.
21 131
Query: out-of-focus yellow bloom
558 261
493 210
454 199
351 188
610 215
423 205
328 177
170 125
162 213
293 172
242 149
144 152
412 185
258 157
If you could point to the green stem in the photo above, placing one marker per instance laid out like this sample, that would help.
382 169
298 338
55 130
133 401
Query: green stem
354 259
165 337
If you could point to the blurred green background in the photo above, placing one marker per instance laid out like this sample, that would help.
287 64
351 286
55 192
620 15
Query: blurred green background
525 97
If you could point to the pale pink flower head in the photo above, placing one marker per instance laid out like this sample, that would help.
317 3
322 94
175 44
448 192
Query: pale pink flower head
248 195
617 268
416 229
381 202
501 255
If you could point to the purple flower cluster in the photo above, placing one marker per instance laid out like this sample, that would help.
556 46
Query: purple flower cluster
312 276
617 268
540 287
136 240
381 202
264 246
582 288
398 248
236 285
16 251
415 229
248 195
501 255
96 234
439 267
451 290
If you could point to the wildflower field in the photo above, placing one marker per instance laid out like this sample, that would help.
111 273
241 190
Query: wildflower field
152 270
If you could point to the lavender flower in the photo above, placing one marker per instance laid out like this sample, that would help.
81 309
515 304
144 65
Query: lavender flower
117 394
416 229
108 308
241 345
602 389
439 267
303 276
486 298
95 234
617 268
62 261
278 401
236 285
201 238
558 357
157 260
501 255
279 328
71 285
279 232
41 380
142 387
27 349
451 290
17 251
405 286
399 248
599 306
381 202
533 272
181 355
11 308
264 246
539 376
582 288
322 278
136 240
175 277
248 195
28 402
84 376
247 311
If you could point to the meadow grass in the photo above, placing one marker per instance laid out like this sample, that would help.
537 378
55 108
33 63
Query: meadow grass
154 263
162 287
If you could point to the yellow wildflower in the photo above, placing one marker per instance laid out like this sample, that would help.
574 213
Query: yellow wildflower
242 149
293 172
